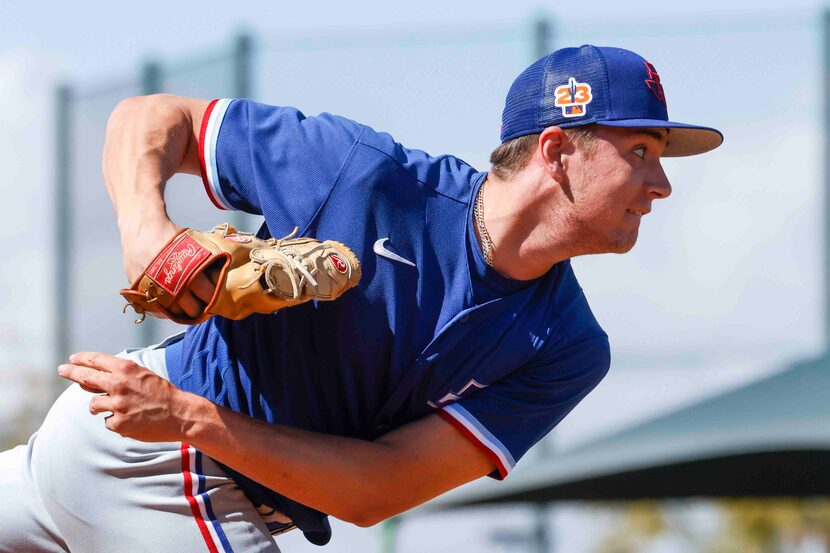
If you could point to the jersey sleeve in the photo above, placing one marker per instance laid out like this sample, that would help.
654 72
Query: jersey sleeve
272 161
510 415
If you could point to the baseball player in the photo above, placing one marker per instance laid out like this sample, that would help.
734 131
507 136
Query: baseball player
466 340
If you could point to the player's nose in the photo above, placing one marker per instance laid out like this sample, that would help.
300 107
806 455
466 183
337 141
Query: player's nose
658 185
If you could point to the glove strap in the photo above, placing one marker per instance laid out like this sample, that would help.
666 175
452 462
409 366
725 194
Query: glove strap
172 268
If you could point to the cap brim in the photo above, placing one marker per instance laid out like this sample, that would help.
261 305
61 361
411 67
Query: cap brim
684 139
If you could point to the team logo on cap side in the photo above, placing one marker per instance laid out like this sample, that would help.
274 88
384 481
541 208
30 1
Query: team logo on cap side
653 83
573 98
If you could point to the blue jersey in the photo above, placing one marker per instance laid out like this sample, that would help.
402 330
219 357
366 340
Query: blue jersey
430 329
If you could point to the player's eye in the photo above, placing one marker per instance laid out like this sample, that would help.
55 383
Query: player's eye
640 152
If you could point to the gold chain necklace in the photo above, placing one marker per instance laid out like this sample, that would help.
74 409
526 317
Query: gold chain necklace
478 212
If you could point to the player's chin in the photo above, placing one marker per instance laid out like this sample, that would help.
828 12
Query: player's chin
623 242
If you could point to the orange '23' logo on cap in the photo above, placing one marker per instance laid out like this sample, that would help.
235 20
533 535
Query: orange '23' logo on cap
573 98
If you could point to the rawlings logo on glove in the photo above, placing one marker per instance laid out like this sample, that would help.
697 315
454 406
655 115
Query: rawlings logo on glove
253 275
172 262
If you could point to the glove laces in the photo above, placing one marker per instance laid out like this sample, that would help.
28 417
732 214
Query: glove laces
292 264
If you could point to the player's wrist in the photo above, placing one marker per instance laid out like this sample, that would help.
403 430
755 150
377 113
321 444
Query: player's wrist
192 413
141 242
147 221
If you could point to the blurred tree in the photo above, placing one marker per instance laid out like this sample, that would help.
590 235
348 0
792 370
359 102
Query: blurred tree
640 522
746 526
773 526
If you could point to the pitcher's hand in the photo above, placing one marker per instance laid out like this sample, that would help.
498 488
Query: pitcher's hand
143 405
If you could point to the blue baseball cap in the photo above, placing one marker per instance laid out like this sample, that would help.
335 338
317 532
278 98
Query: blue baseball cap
601 85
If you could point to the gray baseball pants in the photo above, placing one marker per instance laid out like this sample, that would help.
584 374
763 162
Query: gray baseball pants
78 487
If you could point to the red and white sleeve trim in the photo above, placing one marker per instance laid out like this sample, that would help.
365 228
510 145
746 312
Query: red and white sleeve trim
468 425
211 123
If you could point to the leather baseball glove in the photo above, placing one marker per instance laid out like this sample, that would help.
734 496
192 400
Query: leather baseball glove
252 275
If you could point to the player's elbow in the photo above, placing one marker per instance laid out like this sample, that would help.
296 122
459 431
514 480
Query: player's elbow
369 510
140 104
155 127
156 112
134 108
366 518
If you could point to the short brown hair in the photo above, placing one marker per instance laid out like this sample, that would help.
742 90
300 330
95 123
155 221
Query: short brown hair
512 156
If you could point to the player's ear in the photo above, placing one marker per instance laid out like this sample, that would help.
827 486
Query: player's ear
553 142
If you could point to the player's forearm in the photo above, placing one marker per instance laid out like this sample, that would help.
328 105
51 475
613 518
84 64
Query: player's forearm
356 480
353 480
146 143
148 140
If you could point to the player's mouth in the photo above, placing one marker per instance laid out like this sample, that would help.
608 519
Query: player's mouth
638 212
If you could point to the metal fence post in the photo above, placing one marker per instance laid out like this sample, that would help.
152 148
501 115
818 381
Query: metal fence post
541 529
390 528
542 36
242 84
541 536
63 222
826 199
542 45
151 83
242 88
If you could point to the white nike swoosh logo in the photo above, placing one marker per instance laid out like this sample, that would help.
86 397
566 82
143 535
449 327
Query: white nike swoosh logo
379 249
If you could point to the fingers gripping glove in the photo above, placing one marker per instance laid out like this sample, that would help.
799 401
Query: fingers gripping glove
253 275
